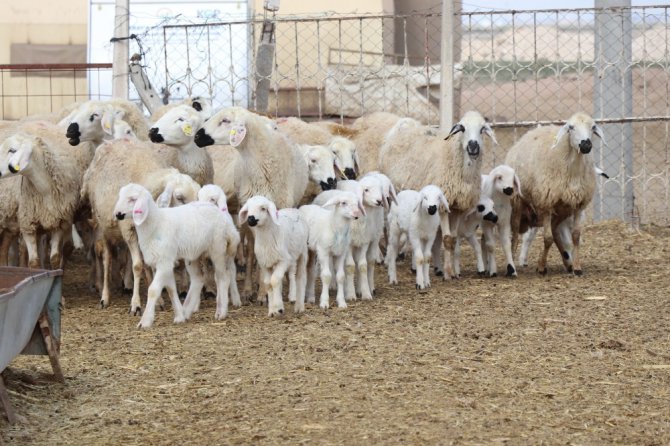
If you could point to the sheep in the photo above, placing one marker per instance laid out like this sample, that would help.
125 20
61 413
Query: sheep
115 164
452 164
85 123
416 214
214 194
10 191
166 235
329 236
369 137
346 155
280 245
268 163
323 170
500 185
481 213
556 168
49 193
177 128
365 233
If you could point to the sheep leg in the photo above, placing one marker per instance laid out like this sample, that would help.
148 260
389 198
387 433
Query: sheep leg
311 277
247 290
326 277
163 278
231 270
457 257
30 239
224 275
55 249
372 256
427 260
138 268
563 243
340 276
275 302
437 253
349 270
515 226
292 282
392 253
4 248
301 278
449 243
576 241
548 241
192 301
106 273
526 241
362 263
417 253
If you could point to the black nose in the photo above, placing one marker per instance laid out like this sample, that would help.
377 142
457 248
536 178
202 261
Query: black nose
330 184
155 136
585 146
11 168
432 209
493 218
202 139
349 173
473 149
480 208
252 221
508 190
120 215
73 134
333 182
379 202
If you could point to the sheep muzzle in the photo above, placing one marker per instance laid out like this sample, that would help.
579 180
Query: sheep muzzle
252 221
432 209
73 134
585 146
155 136
202 139
120 215
473 149
493 218
350 173
508 190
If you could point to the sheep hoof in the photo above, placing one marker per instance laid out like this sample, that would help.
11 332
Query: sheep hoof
511 272
493 275
102 304
137 311
126 291
578 272
210 295
401 256
481 273
413 270
542 272
569 268
182 295
438 272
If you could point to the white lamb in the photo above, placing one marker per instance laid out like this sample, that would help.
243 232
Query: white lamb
501 185
483 212
185 232
329 236
416 214
280 245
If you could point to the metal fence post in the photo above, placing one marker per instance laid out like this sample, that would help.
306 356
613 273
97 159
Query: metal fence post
120 67
613 97
447 69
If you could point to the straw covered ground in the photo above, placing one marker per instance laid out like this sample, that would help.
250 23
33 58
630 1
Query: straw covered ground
536 360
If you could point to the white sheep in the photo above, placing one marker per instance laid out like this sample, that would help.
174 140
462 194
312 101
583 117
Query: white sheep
177 129
329 236
347 156
482 212
268 164
166 235
452 163
556 168
416 214
85 122
117 163
501 184
322 167
280 245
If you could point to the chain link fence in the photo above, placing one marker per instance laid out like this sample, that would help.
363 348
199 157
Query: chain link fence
518 68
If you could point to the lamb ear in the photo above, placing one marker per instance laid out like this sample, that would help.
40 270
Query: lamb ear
517 183
489 131
141 209
274 213
338 171
242 216
332 202
444 202
222 202
165 198
362 208
392 196
455 129
561 133
107 122
418 203
237 133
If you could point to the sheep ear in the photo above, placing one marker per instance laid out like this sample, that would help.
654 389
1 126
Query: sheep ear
141 209
222 202
197 106
393 197
517 183
237 134
274 213
601 172
599 133
357 169
242 216
338 171
445 203
489 131
418 203
455 129
107 122
332 202
362 208
165 198
561 133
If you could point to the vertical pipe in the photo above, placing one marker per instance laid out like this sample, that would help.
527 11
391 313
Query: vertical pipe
120 61
447 66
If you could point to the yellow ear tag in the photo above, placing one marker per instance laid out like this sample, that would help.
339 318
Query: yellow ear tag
187 129
233 132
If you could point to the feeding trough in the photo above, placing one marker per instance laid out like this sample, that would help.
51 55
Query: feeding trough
30 307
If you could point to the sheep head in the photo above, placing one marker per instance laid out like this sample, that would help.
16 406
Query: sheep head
16 152
505 180
176 127
321 164
346 155
472 126
432 200
258 211
227 126
86 122
179 189
485 209
579 130
347 205
134 200
212 193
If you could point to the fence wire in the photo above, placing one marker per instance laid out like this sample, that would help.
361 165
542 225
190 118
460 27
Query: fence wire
518 68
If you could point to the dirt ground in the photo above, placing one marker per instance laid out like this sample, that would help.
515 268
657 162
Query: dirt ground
535 360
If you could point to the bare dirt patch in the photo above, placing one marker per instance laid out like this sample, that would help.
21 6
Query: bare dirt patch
536 360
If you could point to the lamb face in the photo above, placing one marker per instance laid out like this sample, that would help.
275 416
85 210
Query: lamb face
505 180
259 211
128 198
486 209
347 205
432 199
347 158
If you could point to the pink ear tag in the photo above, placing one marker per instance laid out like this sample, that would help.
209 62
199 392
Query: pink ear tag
138 211
237 134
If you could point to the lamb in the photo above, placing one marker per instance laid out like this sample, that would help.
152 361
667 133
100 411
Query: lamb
328 240
365 233
500 185
85 123
452 164
268 163
416 214
556 168
177 129
482 213
280 245
117 163
186 232
52 175
214 194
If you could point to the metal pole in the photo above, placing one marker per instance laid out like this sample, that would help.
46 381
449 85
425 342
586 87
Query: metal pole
447 66
613 98
120 62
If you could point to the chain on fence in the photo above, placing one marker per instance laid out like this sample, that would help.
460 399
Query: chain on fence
519 68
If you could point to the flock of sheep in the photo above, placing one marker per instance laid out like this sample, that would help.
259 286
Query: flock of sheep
199 194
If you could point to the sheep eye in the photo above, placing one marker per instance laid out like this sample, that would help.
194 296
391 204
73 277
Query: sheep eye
92 117
180 119
12 150
263 209
225 121
571 127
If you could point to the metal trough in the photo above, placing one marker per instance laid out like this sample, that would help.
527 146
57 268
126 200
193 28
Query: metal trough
30 308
